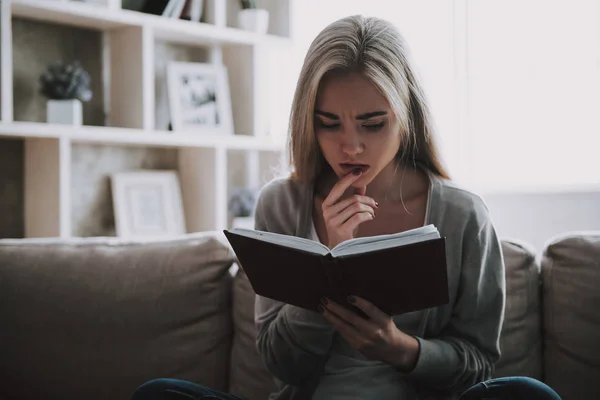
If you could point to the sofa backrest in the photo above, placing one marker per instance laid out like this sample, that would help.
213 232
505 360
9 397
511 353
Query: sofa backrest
248 376
96 318
521 335
571 295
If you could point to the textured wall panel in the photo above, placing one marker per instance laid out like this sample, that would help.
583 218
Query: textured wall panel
91 197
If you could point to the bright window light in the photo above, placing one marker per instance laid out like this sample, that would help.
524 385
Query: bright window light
513 84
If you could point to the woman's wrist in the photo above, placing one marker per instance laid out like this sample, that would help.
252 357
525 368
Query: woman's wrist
408 354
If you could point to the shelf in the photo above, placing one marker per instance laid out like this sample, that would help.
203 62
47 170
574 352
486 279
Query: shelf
91 16
135 50
134 137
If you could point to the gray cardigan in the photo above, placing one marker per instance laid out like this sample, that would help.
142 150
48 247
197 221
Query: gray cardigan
459 342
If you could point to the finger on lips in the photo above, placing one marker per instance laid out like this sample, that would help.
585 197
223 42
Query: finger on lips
341 186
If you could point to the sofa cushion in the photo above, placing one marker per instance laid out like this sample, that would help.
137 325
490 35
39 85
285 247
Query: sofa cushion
95 318
571 295
249 377
520 340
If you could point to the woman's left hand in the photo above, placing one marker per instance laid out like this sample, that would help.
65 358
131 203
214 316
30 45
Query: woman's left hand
377 338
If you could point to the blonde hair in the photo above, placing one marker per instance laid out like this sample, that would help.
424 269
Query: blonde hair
375 48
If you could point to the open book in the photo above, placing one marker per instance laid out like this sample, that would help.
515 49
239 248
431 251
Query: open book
398 273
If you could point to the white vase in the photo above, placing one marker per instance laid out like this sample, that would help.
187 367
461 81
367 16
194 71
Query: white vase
68 112
254 20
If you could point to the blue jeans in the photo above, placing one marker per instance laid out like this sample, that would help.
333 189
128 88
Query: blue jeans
513 388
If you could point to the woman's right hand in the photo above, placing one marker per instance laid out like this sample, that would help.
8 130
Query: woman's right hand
343 216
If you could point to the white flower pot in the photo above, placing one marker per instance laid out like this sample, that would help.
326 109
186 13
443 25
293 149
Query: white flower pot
254 20
68 112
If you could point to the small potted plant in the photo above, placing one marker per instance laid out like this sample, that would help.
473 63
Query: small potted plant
65 86
252 18
241 206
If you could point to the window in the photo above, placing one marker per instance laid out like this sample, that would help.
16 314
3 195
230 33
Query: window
533 93
513 84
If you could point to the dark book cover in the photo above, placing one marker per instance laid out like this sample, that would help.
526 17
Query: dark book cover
397 280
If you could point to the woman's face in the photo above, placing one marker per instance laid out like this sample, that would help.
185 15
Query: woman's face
355 127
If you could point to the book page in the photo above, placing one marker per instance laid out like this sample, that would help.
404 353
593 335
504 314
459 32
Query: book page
372 243
284 240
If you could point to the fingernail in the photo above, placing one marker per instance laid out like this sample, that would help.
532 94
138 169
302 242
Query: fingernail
324 301
351 299
356 171
376 204
321 309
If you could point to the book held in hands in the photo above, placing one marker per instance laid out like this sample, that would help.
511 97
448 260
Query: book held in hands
398 273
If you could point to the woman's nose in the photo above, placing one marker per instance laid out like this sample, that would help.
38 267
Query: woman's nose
351 143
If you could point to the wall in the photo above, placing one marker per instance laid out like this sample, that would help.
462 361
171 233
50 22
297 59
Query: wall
91 197
536 217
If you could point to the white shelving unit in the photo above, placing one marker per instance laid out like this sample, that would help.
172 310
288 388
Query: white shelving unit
129 38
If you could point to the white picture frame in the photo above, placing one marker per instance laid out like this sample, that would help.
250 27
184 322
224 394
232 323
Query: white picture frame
147 204
199 98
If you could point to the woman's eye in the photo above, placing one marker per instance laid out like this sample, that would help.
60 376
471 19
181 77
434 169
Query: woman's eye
328 126
374 127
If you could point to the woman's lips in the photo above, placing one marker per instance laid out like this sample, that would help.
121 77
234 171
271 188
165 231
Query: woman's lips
347 168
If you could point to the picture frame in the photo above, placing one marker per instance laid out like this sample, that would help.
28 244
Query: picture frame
147 204
199 98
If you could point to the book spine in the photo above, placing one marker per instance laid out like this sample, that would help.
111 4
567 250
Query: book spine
333 272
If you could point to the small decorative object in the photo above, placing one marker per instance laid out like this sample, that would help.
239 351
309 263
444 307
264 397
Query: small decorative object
66 86
199 99
241 206
147 204
253 19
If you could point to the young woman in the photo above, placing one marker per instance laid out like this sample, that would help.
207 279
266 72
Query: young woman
366 163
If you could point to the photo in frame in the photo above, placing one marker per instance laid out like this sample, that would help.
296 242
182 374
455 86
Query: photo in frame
147 204
199 98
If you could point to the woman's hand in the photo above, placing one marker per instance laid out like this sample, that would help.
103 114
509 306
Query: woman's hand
342 217
377 338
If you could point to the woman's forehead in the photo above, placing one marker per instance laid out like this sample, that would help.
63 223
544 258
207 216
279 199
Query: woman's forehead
350 91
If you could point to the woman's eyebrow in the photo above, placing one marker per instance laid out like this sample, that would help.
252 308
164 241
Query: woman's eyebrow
327 114
371 114
361 116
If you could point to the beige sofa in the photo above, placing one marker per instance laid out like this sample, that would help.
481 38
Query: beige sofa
94 318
